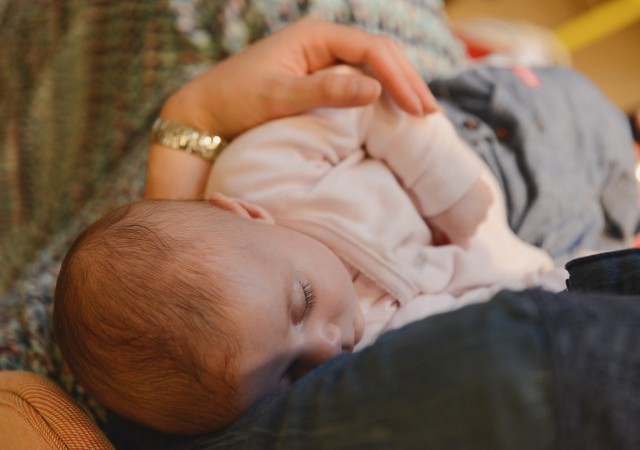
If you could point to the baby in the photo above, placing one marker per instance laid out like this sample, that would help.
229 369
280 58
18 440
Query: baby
179 315
321 231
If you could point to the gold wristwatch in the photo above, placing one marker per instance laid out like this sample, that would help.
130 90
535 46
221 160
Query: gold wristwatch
181 137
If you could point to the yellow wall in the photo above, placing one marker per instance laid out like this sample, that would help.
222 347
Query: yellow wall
612 62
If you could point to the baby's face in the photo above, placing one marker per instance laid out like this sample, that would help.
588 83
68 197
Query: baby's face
295 309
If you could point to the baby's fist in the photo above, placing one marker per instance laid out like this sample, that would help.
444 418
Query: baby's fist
459 223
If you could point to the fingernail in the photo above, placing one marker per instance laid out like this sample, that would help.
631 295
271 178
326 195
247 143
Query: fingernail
433 102
418 106
378 88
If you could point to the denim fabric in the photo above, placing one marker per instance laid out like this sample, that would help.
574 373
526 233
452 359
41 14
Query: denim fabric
613 272
595 340
477 378
562 152
527 370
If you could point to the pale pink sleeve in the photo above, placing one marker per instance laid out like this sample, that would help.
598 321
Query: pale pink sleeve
285 165
426 154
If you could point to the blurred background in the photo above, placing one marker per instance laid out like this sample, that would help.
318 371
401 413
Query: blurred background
602 37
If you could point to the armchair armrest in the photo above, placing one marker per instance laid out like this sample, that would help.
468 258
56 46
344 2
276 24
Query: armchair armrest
35 413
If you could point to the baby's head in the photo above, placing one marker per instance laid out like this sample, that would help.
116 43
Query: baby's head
179 315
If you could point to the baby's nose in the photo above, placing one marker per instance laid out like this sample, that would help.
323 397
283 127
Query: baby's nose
324 345
320 347
328 344
332 334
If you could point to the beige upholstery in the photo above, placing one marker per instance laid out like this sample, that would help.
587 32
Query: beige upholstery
35 414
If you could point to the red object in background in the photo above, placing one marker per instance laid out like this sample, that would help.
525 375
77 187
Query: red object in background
476 50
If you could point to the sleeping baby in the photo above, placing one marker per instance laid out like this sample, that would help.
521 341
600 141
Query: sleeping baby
321 231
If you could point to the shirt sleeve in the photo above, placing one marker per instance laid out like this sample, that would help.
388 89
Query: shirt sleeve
426 154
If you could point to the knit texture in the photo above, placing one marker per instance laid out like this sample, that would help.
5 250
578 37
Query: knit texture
79 80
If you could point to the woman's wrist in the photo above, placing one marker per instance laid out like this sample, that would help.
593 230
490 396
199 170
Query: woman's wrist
186 107
189 140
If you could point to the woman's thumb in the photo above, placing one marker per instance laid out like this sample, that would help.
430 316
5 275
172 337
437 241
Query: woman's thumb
331 89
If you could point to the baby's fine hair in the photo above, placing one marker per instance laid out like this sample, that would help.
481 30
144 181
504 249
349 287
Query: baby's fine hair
140 321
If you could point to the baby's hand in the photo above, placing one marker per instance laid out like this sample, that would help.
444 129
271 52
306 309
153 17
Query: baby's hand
458 224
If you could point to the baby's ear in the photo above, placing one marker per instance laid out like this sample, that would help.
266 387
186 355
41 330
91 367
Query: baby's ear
240 207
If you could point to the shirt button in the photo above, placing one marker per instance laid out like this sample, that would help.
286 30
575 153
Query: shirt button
471 124
502 133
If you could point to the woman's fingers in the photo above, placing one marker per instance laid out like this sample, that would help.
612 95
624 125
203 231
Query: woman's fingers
389 65
326 43
329 89
282 75
414 80
278 76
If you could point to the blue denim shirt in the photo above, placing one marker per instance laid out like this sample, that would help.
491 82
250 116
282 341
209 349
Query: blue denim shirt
562 152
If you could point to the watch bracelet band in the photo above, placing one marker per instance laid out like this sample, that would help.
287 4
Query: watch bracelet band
181 137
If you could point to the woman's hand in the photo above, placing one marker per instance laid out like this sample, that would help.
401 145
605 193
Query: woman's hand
276 77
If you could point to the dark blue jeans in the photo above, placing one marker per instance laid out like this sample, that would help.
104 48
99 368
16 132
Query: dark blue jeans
527 370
